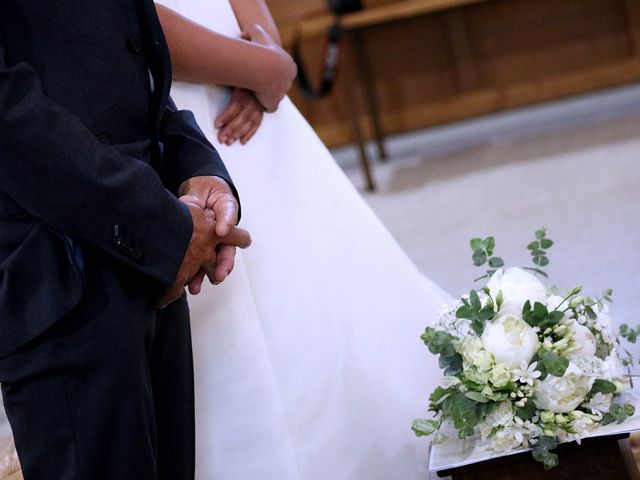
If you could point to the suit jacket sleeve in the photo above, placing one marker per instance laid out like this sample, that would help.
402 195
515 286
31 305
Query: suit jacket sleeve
54 168
187 153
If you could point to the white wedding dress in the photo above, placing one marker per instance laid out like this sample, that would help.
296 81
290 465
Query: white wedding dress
308 360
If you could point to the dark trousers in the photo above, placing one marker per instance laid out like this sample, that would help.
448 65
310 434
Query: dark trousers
107 392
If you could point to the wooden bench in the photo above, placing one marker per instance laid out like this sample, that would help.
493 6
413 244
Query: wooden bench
473 65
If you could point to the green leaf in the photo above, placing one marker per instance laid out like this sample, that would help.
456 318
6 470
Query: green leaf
538 253
476 244
540 234
422 427
540 311
527 412
475 300
440 394
590 313
607 295
555 364
465 311
437 341
479 257
452 365
618 413
464 415
542 452
541 261
556 316
496 262
627 333
546 243
533 246
476 396
485 314
603 386
490 244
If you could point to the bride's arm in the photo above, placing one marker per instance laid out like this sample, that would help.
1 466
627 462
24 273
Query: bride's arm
204 56
251 12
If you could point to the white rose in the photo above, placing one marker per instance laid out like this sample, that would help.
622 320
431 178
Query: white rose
502 415
481 377
583 338
473 353
562 394
506 439
510 340
500 376
517 287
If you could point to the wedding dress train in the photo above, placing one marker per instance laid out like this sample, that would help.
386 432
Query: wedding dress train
308 359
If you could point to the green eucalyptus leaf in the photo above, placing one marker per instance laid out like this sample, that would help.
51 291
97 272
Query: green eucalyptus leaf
479 257
476 244
490 244
496 262
618 413
533 246
546 243
542 452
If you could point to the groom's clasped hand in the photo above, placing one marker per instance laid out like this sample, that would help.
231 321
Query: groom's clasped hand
211 250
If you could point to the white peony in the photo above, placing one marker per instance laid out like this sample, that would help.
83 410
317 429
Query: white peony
563 394
517 286
510 340
583 338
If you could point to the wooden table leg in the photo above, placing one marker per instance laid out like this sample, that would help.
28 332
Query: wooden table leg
364 75
356 130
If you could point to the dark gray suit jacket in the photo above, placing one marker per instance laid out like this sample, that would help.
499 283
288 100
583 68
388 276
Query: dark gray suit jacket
87 150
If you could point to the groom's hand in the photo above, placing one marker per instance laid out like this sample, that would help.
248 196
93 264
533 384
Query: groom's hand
201 252
213 193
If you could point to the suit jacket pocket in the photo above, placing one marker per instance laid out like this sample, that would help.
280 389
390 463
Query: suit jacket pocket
39 284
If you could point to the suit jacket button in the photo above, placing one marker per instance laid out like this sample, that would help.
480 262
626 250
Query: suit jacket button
134 43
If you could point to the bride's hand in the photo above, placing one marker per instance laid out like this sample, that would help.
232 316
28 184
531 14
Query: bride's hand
240 119
286 71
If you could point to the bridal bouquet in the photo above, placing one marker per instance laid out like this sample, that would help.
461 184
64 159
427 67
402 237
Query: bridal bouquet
525 365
